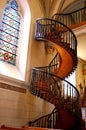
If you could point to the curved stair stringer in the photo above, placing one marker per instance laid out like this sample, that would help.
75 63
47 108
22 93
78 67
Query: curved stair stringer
66 60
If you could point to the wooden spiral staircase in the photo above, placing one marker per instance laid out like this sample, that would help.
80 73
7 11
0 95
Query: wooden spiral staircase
49 82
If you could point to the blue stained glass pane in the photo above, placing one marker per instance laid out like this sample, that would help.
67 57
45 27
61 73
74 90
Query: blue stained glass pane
9 38
11 22
8 47
12 13
14 5
9 30
9 33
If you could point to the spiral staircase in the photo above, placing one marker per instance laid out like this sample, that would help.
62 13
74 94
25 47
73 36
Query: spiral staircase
49 82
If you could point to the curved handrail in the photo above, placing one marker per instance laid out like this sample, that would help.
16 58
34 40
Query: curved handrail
46 120
72 18
59 34
57 78
37 76
45 28
70 99
55 62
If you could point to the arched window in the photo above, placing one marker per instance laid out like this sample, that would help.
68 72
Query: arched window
14 36
9 32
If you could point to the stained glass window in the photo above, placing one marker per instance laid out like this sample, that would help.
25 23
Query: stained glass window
9 32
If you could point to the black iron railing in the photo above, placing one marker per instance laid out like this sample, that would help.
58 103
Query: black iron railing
55 31
69 19
47 121
55 86
57 91
53 65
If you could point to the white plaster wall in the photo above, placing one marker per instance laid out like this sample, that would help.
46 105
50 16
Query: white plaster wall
17 108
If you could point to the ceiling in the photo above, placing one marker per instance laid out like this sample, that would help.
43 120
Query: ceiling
50 7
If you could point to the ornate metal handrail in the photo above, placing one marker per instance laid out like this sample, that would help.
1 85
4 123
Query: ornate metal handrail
54 64
58 33
55 90
72 18
49 81
55 31
47 121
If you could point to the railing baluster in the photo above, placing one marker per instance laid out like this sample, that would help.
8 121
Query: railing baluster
76 17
